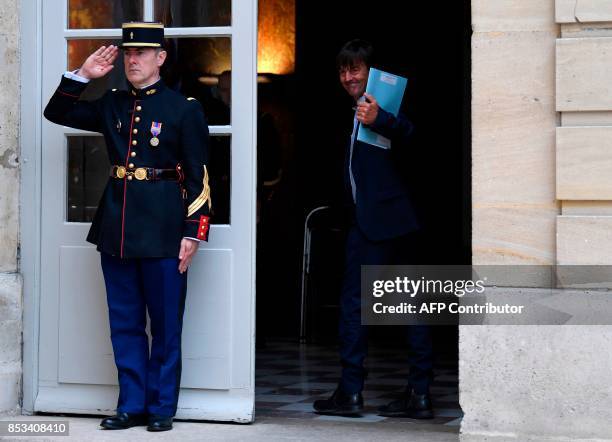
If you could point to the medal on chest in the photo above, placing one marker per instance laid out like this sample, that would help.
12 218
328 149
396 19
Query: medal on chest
155 131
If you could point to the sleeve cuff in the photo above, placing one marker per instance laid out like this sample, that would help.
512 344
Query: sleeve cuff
197 229
73 76
193 239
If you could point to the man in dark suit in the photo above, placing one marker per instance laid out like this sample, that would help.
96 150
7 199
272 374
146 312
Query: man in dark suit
152 215
382 232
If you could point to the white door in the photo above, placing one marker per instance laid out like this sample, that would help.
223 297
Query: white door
76 372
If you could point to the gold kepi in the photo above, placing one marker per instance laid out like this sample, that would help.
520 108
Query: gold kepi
142 35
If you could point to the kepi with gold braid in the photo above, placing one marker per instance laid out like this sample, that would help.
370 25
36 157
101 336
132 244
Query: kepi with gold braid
142 35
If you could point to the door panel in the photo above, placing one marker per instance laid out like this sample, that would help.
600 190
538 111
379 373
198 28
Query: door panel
85 352
208 323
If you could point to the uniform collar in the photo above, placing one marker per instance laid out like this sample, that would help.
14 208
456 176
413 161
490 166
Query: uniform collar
148 91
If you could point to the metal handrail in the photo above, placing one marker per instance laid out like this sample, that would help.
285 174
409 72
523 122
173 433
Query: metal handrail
306 270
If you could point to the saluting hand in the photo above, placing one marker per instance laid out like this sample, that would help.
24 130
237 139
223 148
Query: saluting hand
367 110
99 63
188 248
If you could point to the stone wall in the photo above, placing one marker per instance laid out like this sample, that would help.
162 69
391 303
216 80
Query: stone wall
10 282
523 383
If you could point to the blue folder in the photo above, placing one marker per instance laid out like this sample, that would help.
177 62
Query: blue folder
388 90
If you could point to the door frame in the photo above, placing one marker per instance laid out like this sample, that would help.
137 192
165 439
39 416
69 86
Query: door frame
31 193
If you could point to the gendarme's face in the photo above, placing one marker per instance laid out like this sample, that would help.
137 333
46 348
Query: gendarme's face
142 64
354 79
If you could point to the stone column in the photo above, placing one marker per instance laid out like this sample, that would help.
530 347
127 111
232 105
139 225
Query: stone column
524 383
521 383
10 281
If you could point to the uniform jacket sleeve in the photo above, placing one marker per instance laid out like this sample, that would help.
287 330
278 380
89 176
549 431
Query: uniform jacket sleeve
194 150
398 129
66 109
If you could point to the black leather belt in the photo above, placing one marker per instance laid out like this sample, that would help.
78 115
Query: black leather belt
144 173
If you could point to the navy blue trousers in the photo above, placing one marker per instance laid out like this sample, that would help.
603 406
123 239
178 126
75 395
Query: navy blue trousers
148 383
353 335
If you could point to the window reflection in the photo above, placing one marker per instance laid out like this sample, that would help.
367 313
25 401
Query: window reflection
88 169
88 14
193 68
219 169
192 13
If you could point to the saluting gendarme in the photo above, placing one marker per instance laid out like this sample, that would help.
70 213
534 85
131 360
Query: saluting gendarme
152 215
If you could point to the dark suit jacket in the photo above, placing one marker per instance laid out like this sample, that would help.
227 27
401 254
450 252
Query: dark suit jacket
383 206
143 219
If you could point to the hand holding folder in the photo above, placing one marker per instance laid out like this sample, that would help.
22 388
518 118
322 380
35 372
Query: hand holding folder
388 89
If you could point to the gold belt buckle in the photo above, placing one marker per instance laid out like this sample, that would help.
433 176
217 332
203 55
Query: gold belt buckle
140 173
120 172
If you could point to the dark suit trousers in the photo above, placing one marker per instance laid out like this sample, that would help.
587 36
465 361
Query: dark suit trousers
353 336
147 383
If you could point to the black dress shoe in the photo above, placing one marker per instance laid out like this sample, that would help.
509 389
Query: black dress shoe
159 423
340 404
415 406
121 421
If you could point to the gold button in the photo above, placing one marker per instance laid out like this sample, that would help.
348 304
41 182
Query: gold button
134 142
131 165
133 154
138 108
135 131
130 177
137 119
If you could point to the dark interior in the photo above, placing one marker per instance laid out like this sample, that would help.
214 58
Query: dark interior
422 41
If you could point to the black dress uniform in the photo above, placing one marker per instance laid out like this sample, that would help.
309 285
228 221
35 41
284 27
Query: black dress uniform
142 214
157 194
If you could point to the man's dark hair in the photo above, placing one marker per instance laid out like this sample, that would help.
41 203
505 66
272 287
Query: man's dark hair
355 52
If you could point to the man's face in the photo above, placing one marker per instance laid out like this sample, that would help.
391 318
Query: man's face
354 79
142 64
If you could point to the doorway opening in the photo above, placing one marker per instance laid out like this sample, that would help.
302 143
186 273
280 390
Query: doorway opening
301 149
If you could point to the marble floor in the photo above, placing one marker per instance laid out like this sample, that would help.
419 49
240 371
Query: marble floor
290 376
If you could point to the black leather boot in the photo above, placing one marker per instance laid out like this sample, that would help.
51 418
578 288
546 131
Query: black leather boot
121 421
159 423
340 403
415 406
